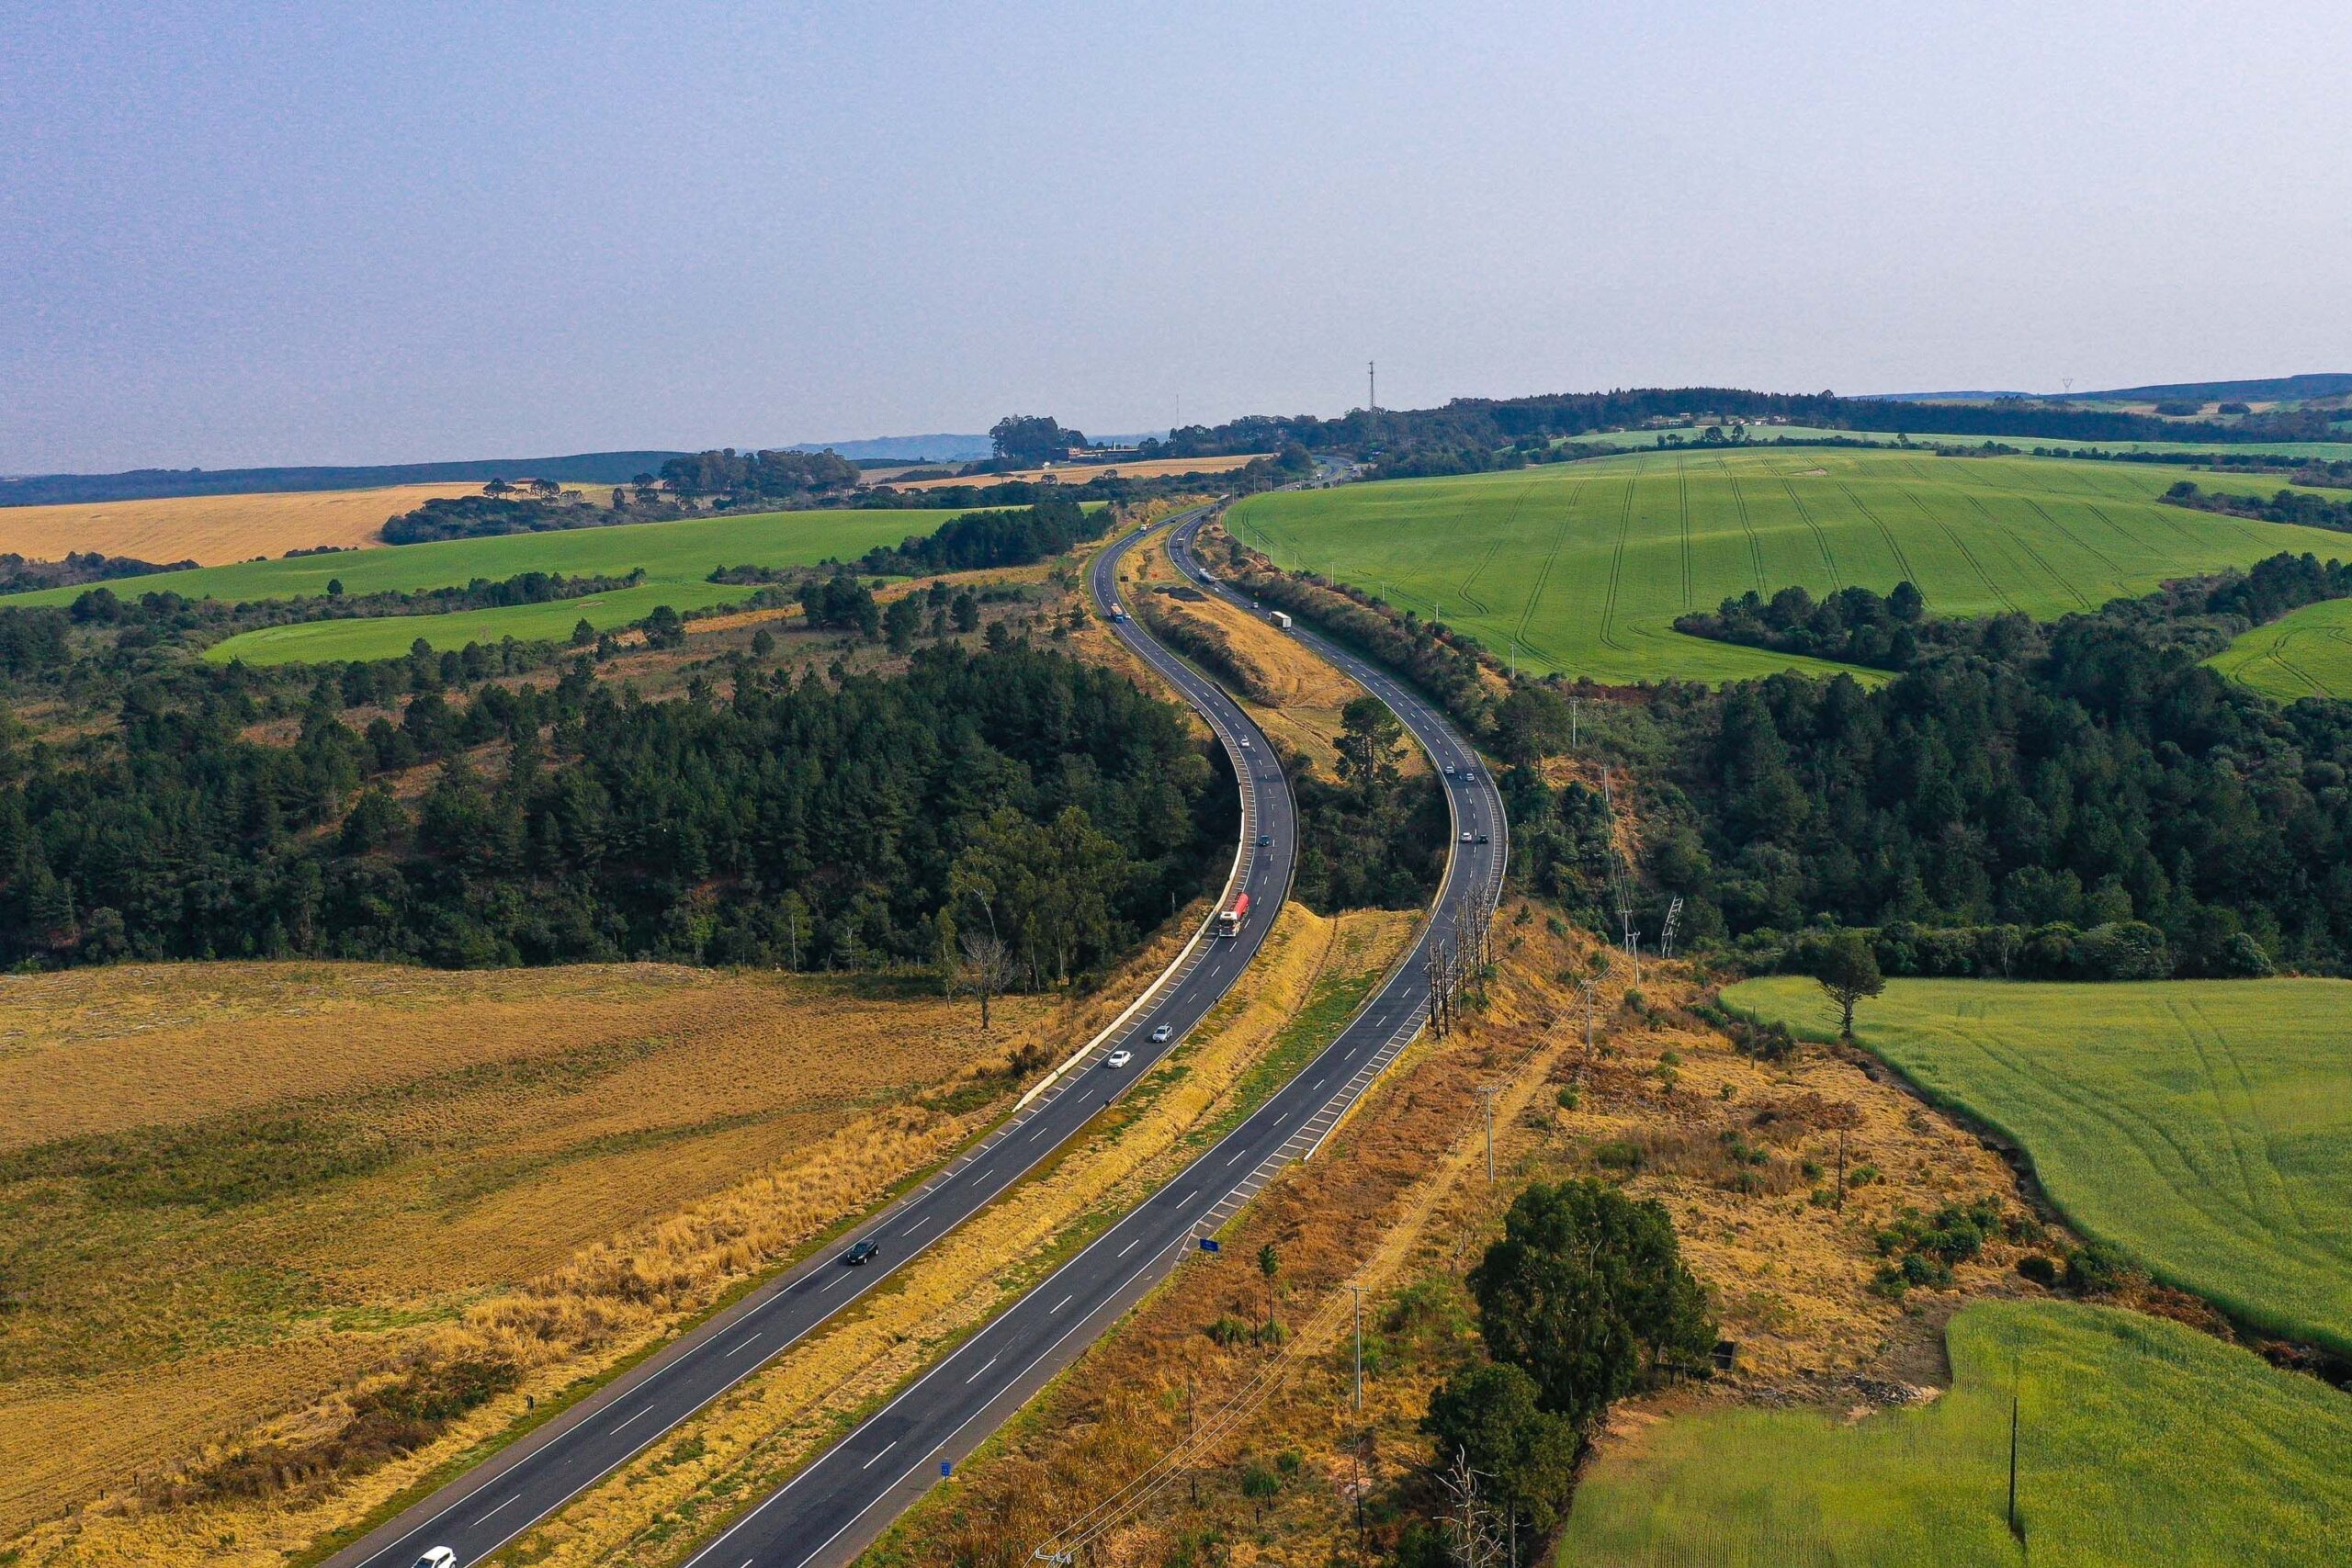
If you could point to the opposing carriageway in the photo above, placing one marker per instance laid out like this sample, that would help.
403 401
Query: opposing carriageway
481 1511
835 1506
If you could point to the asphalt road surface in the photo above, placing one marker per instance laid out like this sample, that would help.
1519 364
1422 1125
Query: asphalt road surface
846 1497
480 1512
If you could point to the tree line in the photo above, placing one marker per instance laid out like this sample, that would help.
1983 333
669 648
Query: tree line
807 826
1049 526
2286 506
2062 780
1858 626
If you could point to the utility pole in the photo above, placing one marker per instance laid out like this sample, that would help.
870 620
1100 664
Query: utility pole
2014 1529
1488 1092
1192 1431
1358 1295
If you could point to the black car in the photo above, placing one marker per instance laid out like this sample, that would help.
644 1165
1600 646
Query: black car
862 1253
1265 840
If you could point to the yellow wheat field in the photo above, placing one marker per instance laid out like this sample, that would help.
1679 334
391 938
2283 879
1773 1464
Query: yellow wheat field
214 530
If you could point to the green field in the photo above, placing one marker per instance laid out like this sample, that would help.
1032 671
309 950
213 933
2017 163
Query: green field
2140 1441
1765 435
1583 567
677 558
2204 1126
2307 653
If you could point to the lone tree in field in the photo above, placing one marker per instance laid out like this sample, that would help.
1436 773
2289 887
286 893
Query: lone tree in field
1849 972
1270 1263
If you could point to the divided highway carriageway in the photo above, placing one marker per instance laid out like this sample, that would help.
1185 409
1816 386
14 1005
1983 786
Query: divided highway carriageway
847 1495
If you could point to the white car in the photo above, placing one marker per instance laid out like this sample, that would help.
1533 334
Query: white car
1160 1036
1466 836
439 1557
1118 1058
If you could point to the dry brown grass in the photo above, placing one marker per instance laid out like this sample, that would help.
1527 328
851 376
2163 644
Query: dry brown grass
647 1512
1400 1205
554 1167
213 530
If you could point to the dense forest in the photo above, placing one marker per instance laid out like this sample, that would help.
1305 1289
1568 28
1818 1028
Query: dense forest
2081 799
1014 792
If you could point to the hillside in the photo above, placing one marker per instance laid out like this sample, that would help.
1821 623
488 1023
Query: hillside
1583 568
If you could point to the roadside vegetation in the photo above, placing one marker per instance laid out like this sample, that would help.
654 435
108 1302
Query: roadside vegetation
655 1511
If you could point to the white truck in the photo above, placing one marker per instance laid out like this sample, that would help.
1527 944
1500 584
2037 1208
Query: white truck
1280 618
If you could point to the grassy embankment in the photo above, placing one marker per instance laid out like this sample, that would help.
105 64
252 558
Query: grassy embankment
678 558
1400 1204
234 1195
2140 1441
2204 1126
1583 568
1294 696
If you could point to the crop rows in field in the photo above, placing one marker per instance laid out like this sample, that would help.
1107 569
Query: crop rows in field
1583 568
2204 1126
2306 654
2139 1442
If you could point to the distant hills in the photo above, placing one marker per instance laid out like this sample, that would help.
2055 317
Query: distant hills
905 448
2272 389
2277 389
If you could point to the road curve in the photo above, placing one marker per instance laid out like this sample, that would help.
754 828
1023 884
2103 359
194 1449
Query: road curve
475 1513
847 1496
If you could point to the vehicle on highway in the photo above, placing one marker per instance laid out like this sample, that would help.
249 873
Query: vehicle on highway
1449 770
1117 613
1229 921
1265 840
1119 1058
862 1253
1482 838
1467 837
439 1557
1158 1036
1282 620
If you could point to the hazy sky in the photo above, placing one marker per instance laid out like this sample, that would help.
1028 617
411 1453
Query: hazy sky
241 233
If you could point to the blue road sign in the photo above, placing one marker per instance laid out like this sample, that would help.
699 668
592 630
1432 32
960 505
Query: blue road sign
1208 1244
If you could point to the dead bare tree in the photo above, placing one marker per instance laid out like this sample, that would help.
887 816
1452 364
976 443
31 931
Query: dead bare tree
988 966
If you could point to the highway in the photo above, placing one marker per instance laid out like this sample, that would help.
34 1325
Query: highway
847 1496
482 1510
